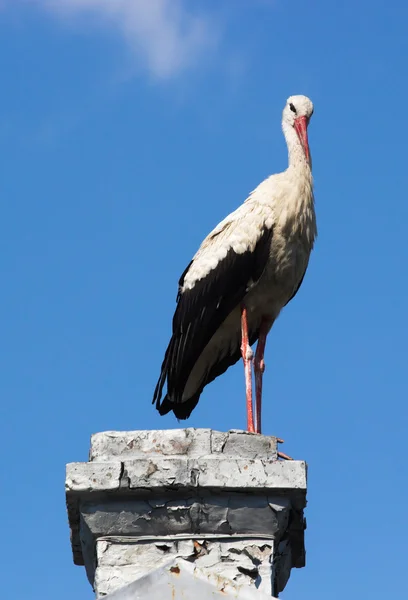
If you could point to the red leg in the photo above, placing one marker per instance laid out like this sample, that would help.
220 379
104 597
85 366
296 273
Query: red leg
259 368
247 356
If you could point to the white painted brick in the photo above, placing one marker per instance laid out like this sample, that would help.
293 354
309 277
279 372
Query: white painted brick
85 477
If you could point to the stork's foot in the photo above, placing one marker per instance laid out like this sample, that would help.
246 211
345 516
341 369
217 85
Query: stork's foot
282 455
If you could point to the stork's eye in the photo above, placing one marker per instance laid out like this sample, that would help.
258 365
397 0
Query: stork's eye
292 108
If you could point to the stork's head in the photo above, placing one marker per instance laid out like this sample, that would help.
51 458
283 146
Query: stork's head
296 114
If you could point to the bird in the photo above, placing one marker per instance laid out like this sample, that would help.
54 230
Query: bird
245 271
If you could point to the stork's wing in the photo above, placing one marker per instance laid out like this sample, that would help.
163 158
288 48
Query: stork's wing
229 262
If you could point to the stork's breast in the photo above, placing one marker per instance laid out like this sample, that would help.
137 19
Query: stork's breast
286 266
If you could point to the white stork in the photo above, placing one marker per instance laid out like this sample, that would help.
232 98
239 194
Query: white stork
245 271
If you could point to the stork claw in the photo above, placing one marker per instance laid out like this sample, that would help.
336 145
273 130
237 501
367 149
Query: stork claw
284 456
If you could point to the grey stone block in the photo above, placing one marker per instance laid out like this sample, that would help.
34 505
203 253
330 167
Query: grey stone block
87 477
136 444
179 580
242 473
212 471
180 442
238 561
245 444
209 514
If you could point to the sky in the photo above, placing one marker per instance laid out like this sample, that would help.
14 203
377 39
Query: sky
128 130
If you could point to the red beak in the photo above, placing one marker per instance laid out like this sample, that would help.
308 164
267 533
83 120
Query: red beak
301 130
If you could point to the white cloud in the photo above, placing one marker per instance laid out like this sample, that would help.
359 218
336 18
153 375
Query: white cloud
166 36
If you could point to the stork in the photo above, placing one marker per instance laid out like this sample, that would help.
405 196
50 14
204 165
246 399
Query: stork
245 271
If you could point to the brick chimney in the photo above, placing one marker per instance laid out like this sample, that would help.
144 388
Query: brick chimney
156 513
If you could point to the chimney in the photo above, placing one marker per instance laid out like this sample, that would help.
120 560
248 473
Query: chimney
156 513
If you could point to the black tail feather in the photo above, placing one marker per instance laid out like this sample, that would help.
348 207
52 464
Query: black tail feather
181 410
163 374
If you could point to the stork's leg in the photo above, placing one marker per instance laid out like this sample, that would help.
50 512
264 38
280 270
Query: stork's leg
247 357
259 368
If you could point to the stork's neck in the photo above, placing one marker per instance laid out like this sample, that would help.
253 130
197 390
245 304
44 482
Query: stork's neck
297 158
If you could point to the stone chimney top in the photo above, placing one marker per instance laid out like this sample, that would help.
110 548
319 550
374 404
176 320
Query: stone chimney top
164 511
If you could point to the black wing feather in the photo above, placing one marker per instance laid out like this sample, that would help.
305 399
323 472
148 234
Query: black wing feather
201 311
297 288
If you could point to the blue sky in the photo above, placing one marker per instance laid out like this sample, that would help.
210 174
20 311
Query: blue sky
125 137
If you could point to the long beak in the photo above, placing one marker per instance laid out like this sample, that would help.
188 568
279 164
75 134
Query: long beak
301 130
